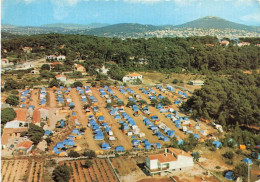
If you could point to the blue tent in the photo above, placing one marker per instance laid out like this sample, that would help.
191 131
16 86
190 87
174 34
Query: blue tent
120 149
101 118
99 137
31 106
154 128
135 142
196 136
55 148
147 146
229 175
47 132
158 145
105 146
159 134
69 142
60 145
177 122
166 129
159 106
154 118
178 126
170 133
62 123
75 131
71 104
165 139
117 116
217 144
256 155
180 142
168 116
247 161
73 113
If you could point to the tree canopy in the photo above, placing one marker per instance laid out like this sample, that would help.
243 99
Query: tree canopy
7 114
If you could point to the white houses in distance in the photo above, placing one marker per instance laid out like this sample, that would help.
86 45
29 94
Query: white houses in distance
132 77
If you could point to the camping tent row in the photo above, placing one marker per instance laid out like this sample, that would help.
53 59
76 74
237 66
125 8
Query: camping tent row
67 143
147 145
98 134
59 97
24 95
93 100
183 94
42 96
130 91
168 91
87 90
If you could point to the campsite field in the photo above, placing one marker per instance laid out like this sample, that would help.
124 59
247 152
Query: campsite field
99 171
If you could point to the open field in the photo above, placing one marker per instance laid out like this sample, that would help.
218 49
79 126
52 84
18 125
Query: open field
99 171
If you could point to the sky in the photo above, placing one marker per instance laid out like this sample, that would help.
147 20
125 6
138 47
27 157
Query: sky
155 12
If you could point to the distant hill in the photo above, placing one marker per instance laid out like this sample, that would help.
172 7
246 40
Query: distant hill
223 28
75 26
212 22
123 29
6 35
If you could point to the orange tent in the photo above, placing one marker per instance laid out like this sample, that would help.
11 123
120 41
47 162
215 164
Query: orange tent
242 147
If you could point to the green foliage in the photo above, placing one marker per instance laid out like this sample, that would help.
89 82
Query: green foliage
73 154
88 163
137 81
76 74
62 173
130 103
48 140
35 133
229 155
196 156
55 83
20 75
228 99
241 170
175 81
142 102
116 73
93 84
154 102
165 101
13 100
7 114
90 153
83 129
77 84
45 67
120 103
46 74
189 143
10 84
101 77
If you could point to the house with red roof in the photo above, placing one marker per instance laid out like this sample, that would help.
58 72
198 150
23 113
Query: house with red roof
23 148
172 159
62 78
5 62
80 68
27 49
132 77
243 44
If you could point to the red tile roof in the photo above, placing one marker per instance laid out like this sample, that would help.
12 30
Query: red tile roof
8 131
58 76
25 144
134 74
162 157
36 118
20 115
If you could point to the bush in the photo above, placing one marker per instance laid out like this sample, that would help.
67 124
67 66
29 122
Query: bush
91 154
45 67
241 170
8 114
62 173
218 167
82 129
73 154
230 162
175 81
88 163
228 155
13 100
77 84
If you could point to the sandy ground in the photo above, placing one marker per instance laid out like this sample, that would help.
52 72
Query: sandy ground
88 136
35 97
121 138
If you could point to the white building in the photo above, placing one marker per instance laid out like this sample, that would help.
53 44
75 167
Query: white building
196 82
6 62
132 77
172 159
61 57
62 78
54 57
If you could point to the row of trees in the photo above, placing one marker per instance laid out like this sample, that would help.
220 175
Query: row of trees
228 99
142 54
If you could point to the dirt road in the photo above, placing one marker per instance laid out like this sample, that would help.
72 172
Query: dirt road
88 135
35 97
121 138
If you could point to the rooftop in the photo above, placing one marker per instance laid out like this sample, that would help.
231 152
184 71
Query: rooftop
20 115
36 118
25 144
166 157
133 74
59 76
178 152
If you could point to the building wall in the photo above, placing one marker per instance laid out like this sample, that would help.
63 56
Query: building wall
130 78
62 79
184 162
152 164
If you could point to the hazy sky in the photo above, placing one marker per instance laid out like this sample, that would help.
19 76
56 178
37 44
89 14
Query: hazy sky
157 12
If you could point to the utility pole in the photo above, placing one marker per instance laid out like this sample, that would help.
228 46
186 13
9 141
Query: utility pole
248 172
